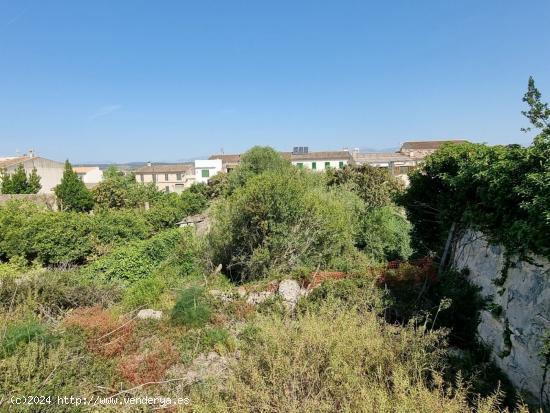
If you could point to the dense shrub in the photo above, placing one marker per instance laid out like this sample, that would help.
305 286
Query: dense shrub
279 221
503 191
172 208
385 234
192 308
60 238
255 161
118 226
143 293
375 186
135 260
120 190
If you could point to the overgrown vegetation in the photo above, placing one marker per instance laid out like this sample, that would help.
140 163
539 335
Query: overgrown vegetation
366 335
501 190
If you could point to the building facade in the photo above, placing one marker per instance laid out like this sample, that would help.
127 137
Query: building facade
205 169
50 172
167 177
90 175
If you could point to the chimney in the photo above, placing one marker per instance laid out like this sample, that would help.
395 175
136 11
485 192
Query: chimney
31 153
149 163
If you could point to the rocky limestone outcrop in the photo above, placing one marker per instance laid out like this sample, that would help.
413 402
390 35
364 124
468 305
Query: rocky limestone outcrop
517 317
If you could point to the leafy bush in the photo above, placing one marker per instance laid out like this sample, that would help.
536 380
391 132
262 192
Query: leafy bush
502 191
385 234
136 260
375 186
115 227
61 238
172 208
192 308
279 221
144 292
120 190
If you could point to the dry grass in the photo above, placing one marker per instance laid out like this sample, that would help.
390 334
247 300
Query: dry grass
336 360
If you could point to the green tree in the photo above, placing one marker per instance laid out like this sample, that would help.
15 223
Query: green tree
119 190
19 183
34 184
71 193
375 186
255 161
279 221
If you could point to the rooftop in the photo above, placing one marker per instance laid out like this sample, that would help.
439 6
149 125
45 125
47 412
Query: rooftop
428 145
165 168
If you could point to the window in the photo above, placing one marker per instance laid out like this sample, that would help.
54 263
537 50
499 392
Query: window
327 165
313 165
205 173
141 177
166 189
154 178
300 165
178 176
341 164
165 177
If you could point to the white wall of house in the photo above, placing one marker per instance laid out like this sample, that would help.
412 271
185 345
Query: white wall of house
205 169
93 176
320 165
50 172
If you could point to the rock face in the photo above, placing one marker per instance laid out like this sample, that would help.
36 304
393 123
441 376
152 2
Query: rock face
520 298
149 314
289 290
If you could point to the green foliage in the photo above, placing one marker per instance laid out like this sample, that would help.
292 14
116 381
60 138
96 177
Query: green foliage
114 227
143 293
503 191
137 259
281 220
72 194
375 186
192 308
20 333
18 182
120 190
385 234
172 208
50 237
255 161
213 337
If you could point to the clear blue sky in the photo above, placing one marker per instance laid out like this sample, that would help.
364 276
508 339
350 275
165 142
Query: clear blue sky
167 80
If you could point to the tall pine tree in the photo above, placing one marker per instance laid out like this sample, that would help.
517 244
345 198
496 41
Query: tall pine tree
19 183
72 194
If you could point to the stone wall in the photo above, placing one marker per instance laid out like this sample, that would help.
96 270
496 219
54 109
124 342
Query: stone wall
518 314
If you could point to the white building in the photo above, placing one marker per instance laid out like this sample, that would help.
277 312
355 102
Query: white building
301 157
50 172
90 175
205 169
